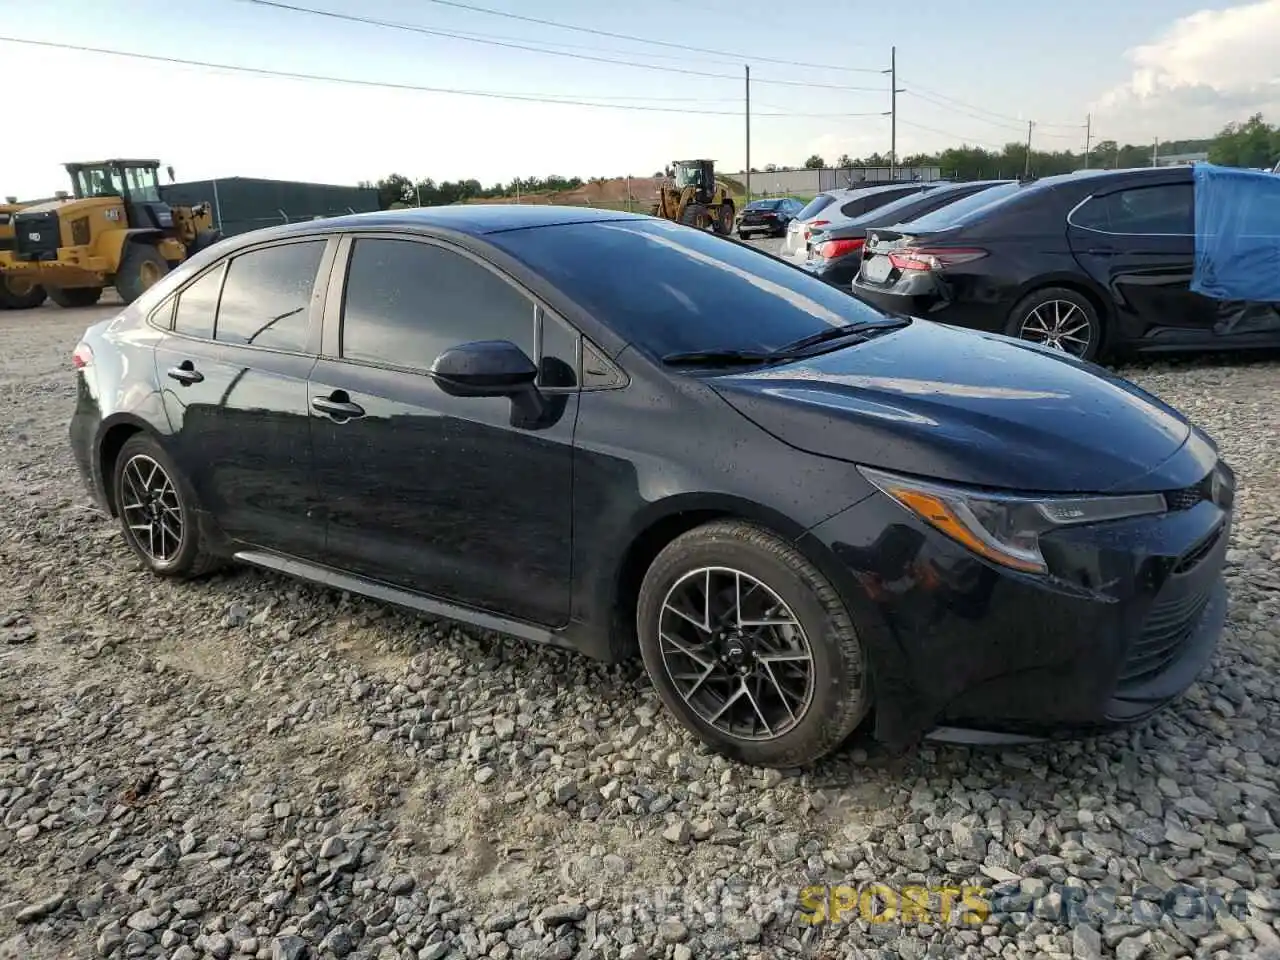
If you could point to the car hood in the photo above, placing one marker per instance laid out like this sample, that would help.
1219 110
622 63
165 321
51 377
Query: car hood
973 408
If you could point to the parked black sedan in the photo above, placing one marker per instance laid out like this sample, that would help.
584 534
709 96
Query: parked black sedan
494 414
769 216
1089 263
835 253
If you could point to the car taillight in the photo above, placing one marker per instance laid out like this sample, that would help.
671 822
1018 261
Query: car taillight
933 258
830 249
81 356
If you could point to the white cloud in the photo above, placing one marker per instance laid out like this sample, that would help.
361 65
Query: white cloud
1205 70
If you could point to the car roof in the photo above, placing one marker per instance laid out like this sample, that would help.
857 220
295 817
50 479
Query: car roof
474 219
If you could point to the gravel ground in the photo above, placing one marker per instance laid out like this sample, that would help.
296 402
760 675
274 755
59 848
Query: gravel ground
252 767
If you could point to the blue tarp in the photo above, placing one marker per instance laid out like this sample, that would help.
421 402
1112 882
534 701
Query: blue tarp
1237 234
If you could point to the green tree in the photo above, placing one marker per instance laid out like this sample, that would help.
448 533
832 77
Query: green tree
1253 143
814 162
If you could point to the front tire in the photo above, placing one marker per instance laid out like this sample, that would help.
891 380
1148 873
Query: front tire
695 215
157 510
1060 318
72 297
140 268
750 646
723 224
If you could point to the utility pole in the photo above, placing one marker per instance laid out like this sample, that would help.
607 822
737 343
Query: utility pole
747 70
893 112
1155 153
1026 169
1088 138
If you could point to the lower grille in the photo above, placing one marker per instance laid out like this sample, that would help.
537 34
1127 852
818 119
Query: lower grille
1169 625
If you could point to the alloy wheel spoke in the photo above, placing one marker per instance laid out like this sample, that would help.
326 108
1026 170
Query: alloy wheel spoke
696 657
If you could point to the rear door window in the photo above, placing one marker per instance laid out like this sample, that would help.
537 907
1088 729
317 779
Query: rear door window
267 297
857 207
1165 209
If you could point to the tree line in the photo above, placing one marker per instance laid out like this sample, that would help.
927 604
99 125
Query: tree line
1252 143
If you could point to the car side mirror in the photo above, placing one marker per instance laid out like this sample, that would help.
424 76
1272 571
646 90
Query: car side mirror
485 368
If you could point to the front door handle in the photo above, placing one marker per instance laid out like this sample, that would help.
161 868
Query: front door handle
186 373
338 405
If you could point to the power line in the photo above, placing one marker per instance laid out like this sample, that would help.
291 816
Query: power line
939 103
955 137
925 93
578 29
515 45
389 85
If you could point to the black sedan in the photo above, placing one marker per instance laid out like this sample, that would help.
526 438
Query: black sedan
1090 263
769 216
793 506
835 253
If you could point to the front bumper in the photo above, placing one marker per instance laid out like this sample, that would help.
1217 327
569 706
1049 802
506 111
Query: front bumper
963 650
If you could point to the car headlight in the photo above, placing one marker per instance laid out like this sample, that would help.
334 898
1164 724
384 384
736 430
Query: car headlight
1005 529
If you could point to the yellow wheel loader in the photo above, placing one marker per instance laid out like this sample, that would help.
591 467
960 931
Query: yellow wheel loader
15 293
116 231
693 196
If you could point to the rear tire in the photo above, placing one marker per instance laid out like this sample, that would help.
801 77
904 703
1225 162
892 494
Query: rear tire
20 294
72 297
1060 318
150 492
141 267
809 629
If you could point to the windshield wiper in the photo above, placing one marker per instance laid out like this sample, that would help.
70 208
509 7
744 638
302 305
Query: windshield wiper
722 358
839 333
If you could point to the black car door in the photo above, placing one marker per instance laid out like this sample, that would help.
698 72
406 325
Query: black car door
244 337
452 497
1138 242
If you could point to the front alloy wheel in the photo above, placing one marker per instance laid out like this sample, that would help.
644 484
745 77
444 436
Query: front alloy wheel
736 653
750 646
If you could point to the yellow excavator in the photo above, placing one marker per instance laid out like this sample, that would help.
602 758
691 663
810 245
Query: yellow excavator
693 196
15 293
116 231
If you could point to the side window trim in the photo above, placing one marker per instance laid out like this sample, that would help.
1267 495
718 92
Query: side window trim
335 303
1121 233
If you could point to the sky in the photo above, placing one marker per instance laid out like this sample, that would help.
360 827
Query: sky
1138 69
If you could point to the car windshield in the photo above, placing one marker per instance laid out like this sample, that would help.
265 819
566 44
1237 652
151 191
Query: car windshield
954 214
670 289
764 204
815 206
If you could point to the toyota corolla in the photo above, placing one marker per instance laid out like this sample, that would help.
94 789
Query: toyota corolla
622 435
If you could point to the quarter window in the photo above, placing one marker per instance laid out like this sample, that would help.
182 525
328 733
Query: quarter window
267 297
198 304
406 302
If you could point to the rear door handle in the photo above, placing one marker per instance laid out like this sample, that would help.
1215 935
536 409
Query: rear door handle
186 373
337 405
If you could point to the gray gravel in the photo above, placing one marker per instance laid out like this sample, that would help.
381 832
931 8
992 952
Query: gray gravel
252 767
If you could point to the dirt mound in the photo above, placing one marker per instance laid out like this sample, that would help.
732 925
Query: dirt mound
614 191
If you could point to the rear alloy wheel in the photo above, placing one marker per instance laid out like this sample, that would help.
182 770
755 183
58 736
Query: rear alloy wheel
750 646
72 297
1058 318
19 293
156 510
